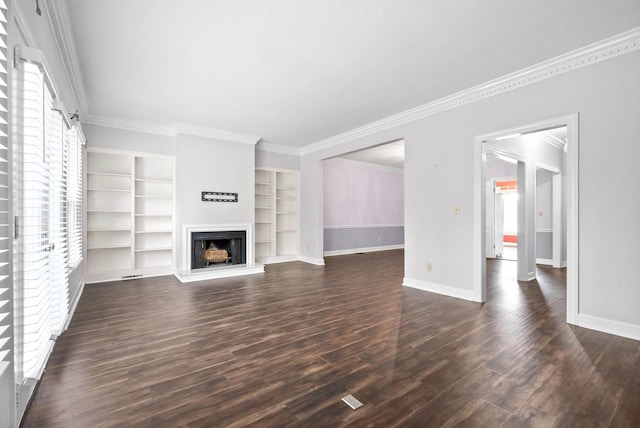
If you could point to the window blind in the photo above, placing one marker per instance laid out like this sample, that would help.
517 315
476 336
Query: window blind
47 167
75 143
7 394
33 272
56 153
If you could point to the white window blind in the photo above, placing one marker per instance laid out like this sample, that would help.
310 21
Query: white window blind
32 252
46 170
56 153
75 143
6 291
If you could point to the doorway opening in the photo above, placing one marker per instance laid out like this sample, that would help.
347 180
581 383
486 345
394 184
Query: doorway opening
363 200
534 147
506 219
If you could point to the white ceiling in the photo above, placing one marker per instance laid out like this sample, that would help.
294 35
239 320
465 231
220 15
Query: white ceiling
298 71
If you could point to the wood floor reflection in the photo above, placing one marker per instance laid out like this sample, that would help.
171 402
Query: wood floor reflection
281 349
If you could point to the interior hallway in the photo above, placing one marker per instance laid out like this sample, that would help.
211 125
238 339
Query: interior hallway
281 349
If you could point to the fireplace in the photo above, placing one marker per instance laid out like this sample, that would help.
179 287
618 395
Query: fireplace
218 248
237 259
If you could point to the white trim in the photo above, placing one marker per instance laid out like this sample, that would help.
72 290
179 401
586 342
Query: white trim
310 260
552 140
631 331
366 165
128 125
572 174
571 186
439 289
74 305
58 17
623 43
546 262
557 221
363 250
187 229
278 148
362 226
36 57
227 272
544 230
189 275
216 134
96 149
278 259
170 130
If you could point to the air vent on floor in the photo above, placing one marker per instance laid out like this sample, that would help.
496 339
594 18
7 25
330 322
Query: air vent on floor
352 401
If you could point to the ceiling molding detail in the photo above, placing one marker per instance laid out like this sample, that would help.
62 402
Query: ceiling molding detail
170 130
606 49
58 18
277 148
215 134
146 128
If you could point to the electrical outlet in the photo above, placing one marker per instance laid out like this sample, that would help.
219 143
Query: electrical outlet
429 267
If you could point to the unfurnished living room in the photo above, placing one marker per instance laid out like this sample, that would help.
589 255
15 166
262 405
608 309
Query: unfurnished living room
295 213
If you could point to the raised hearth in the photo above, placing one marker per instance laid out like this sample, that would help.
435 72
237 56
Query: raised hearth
217 251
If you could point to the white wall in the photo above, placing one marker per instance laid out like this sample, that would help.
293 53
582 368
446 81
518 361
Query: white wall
277 160
439 151
122 139
203 164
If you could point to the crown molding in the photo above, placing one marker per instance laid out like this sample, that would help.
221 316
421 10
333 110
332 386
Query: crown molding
216 134
278 148
170 130
58 17
591 54
128 125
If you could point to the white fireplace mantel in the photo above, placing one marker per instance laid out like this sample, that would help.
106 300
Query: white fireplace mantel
189 275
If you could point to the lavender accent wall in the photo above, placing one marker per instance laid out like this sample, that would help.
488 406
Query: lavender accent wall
359 195
363 207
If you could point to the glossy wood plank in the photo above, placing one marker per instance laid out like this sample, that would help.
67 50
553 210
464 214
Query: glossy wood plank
283 348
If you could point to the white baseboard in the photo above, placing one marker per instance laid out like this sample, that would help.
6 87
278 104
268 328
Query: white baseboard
363 250
317 262
547 262
74 305
439 289
213 273
604 325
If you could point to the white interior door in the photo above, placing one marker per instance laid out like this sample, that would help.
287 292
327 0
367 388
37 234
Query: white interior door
490 222
499 224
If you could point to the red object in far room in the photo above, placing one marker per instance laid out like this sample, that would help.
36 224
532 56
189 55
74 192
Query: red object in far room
512 239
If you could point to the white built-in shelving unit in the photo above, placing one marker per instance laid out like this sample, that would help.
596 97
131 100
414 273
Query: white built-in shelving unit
277 215
129 215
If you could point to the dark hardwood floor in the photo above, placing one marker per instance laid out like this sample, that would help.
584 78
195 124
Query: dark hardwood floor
281 349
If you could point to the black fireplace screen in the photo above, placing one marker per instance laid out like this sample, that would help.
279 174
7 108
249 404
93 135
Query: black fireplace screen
218 248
